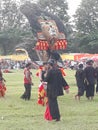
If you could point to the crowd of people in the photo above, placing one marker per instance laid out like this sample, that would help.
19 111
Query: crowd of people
85 78
52 84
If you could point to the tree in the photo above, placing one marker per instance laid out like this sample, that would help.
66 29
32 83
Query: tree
86 16
10 38
10 16
13 26
86 20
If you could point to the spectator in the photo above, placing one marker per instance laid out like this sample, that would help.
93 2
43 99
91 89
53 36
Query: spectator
27 82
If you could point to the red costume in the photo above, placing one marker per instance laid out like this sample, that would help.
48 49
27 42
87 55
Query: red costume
2 89
2 85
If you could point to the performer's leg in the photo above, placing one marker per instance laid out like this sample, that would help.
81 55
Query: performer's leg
54 109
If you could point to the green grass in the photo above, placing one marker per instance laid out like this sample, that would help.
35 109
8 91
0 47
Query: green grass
17 114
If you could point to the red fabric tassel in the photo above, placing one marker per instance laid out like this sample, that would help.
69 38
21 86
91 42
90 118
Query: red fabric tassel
2 89
47 114
66 87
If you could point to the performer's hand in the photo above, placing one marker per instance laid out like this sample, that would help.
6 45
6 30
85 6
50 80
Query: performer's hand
66 88
32 84
67 91
4 80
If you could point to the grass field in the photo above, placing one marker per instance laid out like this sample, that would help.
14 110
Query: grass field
17 114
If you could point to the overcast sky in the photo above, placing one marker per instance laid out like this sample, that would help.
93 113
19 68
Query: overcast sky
73 4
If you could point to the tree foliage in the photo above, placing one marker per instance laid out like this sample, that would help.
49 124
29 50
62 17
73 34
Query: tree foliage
10 17
13 26
86 17
86 20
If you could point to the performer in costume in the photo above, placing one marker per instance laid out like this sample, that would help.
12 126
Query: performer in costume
80 80
42 87
90 80
96 70
2 85
27 82
55 85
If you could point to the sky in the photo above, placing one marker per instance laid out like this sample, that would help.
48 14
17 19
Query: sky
73 4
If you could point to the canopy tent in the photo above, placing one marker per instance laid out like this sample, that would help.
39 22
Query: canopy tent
77 56
67 57
15 57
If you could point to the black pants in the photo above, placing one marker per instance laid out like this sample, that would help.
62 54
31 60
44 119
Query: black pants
81 91
27 93
54 109
97 87
90 90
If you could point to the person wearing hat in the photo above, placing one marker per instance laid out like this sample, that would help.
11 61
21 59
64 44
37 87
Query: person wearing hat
89 62
90 79
80 78
55 85
27 82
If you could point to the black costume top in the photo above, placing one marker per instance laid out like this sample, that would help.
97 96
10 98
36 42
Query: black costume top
55 83
80 77
90 74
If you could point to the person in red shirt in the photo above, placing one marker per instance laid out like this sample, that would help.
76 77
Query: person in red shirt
27 82
2 84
